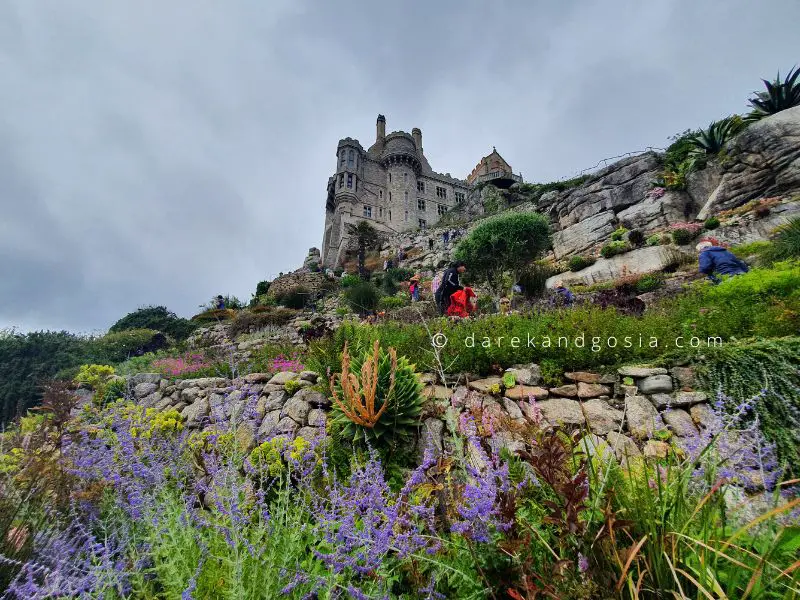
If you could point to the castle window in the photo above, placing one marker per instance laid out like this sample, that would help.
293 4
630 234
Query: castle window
380 194
350 180
343 155
459 197
350 158
441 192
341 181
423 223
380 212
390 215
406 215
421 187
390 196
406 197
421 204
405 177
367 211
441 209
390 178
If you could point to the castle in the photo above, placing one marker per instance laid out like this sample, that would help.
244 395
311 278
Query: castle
393 187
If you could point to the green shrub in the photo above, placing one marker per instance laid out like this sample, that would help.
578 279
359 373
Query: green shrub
711 223
262 288
362 297
296 298
400 419
614 248
292 386
118 346
745 369
116 389
654 240
97 377
649 282
533 279
635 237
505 243
577 263
157 318
618 234
486 305
350 280
388 302
682 236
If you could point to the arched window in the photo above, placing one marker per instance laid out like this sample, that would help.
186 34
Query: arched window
380 194
349 158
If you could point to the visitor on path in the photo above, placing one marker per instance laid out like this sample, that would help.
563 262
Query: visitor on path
413 288
449 285
386 265
715 260
219 302
446 237
462 303
563 297
430 244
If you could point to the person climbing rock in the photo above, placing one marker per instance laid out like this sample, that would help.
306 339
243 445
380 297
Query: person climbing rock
716 260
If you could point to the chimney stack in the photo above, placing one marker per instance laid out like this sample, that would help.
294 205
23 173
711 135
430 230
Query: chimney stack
416 133
380 127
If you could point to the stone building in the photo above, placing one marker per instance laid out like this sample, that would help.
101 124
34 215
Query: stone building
393 187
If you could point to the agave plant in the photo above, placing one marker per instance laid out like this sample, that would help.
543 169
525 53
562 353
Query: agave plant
778 96
376 396
786 243
711 140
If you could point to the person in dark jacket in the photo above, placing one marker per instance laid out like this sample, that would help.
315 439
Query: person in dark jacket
449 285
715 261
219 302
563 297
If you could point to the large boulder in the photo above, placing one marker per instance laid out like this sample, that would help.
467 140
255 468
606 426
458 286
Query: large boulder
763 160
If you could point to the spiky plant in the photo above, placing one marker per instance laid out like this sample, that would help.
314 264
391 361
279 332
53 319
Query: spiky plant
778 96
377 396
786 243
711 140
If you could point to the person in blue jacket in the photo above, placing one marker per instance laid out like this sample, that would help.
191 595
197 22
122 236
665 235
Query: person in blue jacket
715 261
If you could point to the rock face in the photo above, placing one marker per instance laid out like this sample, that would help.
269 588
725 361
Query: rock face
763 160
636 262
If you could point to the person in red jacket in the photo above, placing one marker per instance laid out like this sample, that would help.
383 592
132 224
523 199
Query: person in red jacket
462 303
413 288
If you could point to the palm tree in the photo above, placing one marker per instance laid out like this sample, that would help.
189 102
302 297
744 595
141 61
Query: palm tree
366 238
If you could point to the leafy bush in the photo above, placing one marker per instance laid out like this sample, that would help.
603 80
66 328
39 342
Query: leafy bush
388 302
362 297
649 282
578 263
533 279
158 318
292 386
29 360
654 240
486 305
296 298
350 280
778 96
504 243
618 234
711 223
684 233
262 288
97 377
377 398
118 346
635 237
614 248
116 389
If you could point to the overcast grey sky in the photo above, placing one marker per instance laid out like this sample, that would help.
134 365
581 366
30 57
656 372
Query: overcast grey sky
162 152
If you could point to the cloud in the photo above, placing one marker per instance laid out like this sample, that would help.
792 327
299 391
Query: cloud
162 153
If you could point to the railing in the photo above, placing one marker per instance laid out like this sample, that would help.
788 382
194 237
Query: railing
500 175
